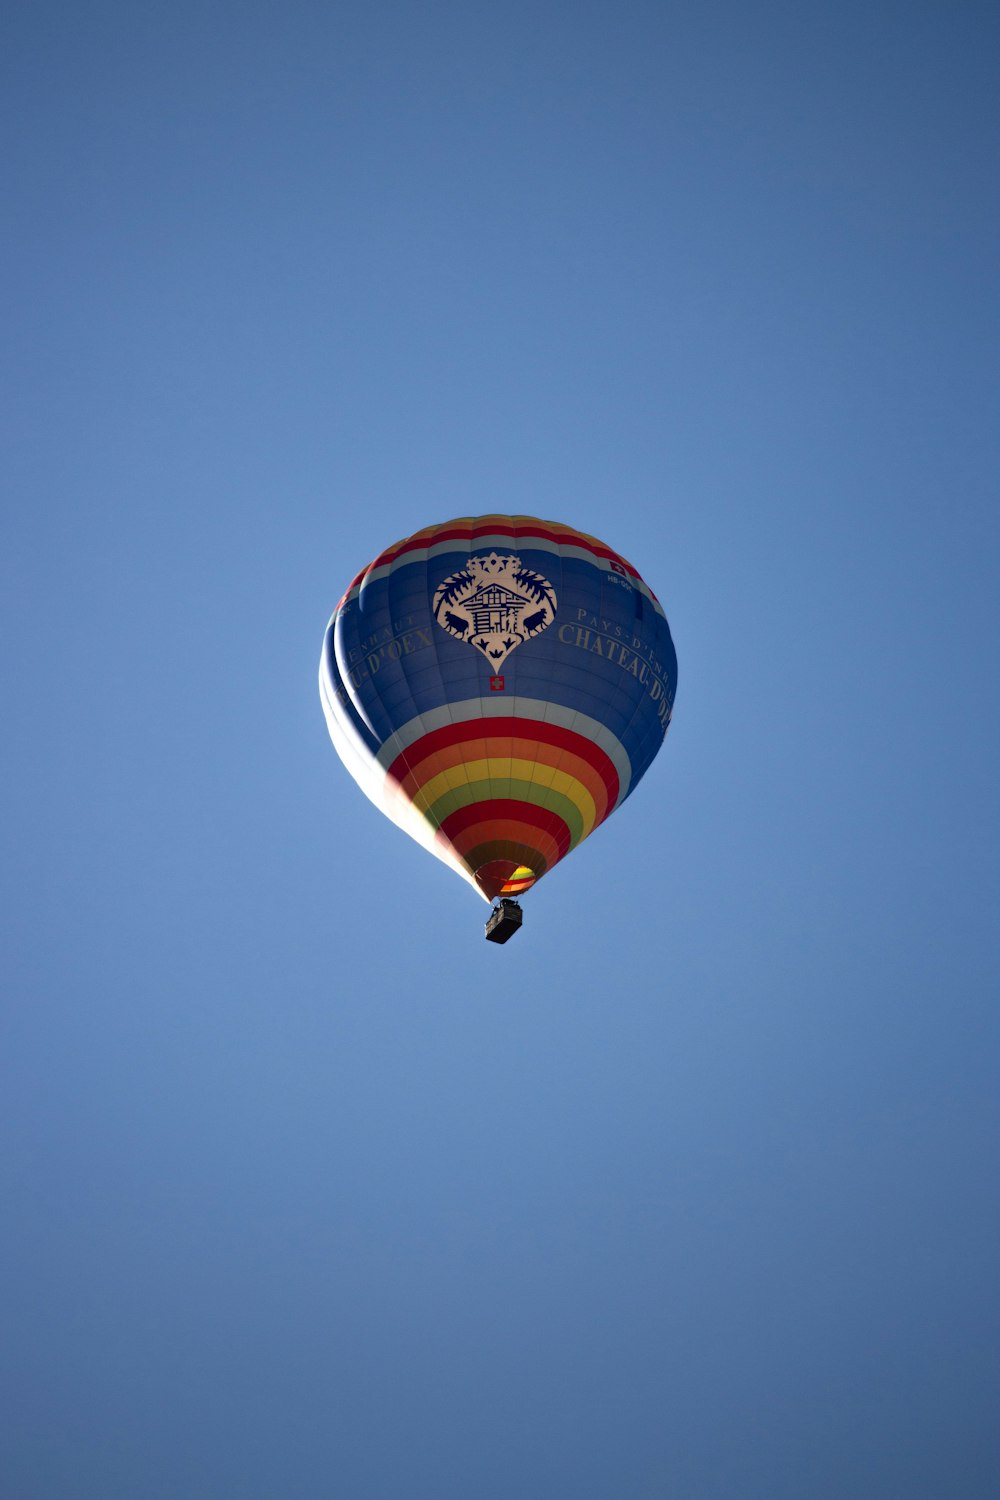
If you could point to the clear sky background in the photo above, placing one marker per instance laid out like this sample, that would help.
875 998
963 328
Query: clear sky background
691 1190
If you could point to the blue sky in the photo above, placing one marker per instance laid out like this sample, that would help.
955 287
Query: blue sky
690 1190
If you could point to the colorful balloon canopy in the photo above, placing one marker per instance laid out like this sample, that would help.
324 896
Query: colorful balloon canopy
498 685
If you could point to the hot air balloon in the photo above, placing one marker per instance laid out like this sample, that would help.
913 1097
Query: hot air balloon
498 685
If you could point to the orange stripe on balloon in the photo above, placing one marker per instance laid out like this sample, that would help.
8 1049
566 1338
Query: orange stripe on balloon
537 781
504 810
446 757
505 850
504 730
525 842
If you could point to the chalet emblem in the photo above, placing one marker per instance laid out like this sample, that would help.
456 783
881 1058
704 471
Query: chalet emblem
495 603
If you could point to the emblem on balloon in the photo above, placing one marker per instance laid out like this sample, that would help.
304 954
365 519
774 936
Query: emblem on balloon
495 604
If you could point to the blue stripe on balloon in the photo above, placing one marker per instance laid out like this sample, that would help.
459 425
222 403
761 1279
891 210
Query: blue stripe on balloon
387 660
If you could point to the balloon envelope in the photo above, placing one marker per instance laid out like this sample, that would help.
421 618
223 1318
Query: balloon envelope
498 685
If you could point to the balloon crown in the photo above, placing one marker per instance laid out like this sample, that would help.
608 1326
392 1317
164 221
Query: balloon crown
492 564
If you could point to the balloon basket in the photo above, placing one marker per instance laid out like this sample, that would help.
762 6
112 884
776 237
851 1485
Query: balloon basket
504 920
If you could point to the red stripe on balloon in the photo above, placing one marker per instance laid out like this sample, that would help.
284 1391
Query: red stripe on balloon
514 747
501 811
492 873
496 728
504 528
483 842
510 852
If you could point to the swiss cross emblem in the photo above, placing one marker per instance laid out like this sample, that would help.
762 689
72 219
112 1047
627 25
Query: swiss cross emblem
616 567
496 684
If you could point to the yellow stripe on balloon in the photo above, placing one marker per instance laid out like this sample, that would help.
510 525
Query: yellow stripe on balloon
508 768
